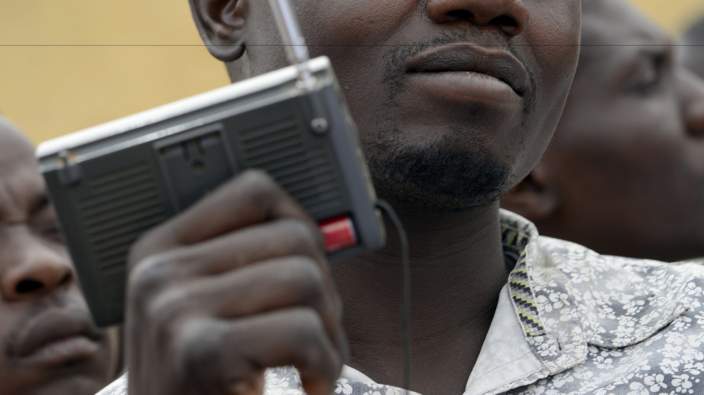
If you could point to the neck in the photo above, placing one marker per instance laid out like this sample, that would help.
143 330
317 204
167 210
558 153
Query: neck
458 270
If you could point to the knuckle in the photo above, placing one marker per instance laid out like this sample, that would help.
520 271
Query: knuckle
308 328
196 347
309 279
202 357
258 182
262 190
311 337
152 242
166 306
255 175
303 237
147 275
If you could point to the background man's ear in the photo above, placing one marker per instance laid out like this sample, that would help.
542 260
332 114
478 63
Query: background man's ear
221 24
535 198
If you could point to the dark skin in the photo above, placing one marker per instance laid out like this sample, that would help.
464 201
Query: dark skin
622 175
442 145
40 296
693 49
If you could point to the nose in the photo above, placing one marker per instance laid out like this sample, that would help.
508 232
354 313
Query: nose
507 16
693 104
33 270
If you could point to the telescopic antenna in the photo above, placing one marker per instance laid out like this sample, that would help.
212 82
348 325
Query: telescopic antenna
294 43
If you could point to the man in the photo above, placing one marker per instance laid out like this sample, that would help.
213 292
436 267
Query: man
455 100
624 174
693 49
48 344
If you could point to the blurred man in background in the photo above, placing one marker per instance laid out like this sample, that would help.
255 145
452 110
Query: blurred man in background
624 174
693 47
48 344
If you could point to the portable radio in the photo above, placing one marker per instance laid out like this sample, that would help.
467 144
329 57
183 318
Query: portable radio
111 183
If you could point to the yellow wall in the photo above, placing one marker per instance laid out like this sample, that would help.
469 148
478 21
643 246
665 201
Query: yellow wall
672 14
69 64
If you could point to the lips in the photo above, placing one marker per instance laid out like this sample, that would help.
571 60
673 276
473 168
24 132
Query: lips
56 336
466 60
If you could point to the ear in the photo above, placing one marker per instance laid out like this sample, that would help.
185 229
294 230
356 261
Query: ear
221 24
535 198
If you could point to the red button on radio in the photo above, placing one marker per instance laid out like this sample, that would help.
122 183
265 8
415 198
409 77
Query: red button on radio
338 234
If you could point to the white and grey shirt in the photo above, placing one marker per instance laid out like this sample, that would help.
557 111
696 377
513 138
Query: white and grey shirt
571 321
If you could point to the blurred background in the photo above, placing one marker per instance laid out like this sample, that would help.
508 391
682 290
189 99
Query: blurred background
70 64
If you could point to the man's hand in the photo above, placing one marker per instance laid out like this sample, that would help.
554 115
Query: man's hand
234 285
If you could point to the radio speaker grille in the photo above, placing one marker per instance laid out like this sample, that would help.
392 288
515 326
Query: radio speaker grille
116 210
304 170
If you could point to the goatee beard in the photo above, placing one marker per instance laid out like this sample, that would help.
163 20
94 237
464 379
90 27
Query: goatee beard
441 177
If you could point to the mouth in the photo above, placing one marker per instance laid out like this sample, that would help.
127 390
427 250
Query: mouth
57 337
466 71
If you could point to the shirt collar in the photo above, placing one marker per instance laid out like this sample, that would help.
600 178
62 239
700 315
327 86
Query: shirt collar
556 304
525 342
506 360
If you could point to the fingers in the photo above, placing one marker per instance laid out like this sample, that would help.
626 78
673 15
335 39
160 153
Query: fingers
280 338
251 198
234 285
268 286
226 253
253 244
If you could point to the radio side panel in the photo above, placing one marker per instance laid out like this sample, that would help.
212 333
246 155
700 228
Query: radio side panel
354 169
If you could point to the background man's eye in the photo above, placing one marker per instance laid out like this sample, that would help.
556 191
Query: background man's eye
649 75
647 80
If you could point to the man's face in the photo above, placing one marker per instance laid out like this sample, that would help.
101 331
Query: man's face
455 99
628 156
47 342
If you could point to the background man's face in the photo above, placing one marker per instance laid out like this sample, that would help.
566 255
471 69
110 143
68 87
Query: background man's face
438 131
628 158
47 342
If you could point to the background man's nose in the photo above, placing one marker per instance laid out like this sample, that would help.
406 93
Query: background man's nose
35 272
507 16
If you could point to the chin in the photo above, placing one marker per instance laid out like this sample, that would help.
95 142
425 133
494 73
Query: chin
408 198
444 177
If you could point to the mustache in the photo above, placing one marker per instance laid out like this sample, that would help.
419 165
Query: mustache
397 57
